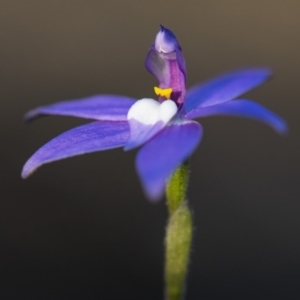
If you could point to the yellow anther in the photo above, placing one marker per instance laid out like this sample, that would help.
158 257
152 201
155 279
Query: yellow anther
163 92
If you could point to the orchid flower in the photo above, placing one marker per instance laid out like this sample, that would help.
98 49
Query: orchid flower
164 128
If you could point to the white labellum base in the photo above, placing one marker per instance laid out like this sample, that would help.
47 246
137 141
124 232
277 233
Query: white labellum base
146 118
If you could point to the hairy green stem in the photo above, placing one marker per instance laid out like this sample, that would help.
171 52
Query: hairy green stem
176 188
178 235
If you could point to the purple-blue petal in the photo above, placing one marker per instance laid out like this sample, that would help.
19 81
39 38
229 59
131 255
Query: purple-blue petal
159 158
98 107
88 138
224 88
141 133
242 108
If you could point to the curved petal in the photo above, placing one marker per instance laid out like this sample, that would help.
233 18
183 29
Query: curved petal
140 133
98 107
242 108
88 138
224 88
158 159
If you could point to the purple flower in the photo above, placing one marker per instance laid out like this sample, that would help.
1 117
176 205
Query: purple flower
163 128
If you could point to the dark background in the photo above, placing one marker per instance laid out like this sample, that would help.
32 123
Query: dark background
81 228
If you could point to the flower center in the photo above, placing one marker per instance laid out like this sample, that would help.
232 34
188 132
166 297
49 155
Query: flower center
147 117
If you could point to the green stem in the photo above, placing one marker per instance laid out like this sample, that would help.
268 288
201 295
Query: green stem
176 188
178 235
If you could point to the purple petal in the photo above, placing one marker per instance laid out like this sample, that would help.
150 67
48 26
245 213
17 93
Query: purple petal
88 138
224 88
140 133
99 107
242 108
159 158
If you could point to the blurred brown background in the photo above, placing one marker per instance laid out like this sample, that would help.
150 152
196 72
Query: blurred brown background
82 228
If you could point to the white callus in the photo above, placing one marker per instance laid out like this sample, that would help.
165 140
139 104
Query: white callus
146 118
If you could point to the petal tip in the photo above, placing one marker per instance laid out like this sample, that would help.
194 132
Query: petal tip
256 73
31 115
24 175
282 128
27 172
154 198
162 28
30 167
154 192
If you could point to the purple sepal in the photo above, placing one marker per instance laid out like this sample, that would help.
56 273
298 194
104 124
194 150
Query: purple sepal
224 88
98 107
141 133
159 158
88 138
242 108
